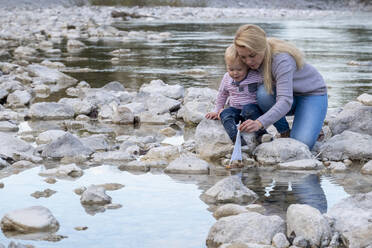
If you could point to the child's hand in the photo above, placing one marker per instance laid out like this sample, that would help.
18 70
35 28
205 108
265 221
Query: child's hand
212 116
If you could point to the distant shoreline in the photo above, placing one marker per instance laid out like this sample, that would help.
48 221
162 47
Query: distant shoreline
316 5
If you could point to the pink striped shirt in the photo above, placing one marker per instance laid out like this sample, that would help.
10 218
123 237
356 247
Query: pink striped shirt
238 96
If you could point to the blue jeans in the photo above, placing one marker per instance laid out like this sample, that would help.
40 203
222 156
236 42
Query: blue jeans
231 116
309 113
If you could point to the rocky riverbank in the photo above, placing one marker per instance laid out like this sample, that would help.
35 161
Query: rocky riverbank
95 126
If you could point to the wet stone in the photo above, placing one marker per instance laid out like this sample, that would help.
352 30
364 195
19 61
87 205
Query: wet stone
46 193
50 180
81 228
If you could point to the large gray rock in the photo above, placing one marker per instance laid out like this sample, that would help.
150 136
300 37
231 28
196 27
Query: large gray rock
281 150
7 126
29 220
211 139
11 146
117 157
162 153
49 136
194 112
51 76
64 171
194 94
352 217
230 190
303 164
306 221
19 98
79 106
159 104
122 115
246 227
66 146
365 98
51 111
354 117
97 142
367 168
158 86
114 86
235 209
95 195
347 145
188 163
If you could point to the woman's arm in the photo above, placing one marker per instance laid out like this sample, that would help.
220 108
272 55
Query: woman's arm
283 68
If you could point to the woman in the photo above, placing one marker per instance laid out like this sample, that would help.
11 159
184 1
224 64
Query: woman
291 86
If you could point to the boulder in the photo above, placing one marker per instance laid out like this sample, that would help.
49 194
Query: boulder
114 86
51 76
247 228
230 190
355 117
51 111
306 221
66 146
188 163
19 98
366 99
95 195
49 136
212 141
11 146
352 217
7 126
29 220
194 112
69 170
347 145
158 86
281 150
235 209
367 168
303 164
97 142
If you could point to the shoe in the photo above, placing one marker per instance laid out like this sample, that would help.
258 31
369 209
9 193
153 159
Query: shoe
285 134
264 138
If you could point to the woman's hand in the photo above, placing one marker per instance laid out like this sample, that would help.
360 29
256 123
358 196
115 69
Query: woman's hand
212 116
250 126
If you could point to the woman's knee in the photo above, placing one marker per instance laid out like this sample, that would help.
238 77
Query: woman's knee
264 99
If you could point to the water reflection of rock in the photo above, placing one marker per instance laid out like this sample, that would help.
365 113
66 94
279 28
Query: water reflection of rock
353 183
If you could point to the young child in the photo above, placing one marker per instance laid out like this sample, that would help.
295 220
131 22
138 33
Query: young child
238 86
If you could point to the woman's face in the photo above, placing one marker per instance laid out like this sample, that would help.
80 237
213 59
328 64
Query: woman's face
252 59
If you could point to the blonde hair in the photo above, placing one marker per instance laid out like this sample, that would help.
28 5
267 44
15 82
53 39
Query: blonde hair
254 38
231 55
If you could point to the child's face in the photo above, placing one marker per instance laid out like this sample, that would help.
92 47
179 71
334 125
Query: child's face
237 70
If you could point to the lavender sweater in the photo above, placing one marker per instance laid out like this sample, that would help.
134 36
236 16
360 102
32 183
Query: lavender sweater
291 82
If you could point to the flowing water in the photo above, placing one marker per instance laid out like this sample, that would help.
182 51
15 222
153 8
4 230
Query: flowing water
160 210
329 45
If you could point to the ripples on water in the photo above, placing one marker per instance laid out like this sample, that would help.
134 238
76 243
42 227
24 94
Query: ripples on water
328 45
